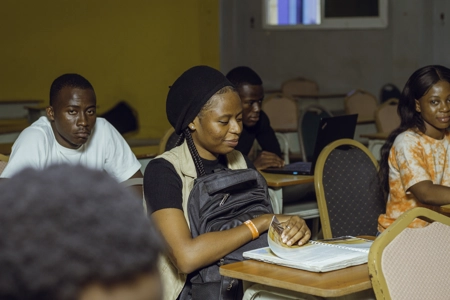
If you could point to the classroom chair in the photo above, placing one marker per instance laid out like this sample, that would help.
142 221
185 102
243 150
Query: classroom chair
362 103
386 116
282 111
308 124
348 192
299 86
412 263
168 141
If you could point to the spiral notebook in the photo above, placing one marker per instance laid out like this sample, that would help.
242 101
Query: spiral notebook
330 130
315 256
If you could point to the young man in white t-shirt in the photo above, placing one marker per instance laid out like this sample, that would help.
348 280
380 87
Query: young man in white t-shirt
71 133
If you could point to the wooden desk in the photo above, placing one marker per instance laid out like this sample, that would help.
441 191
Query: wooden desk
376 136
365 120
330 284
277 181
13 125
36 111
145 151
11 108
280 180
320 96
310 96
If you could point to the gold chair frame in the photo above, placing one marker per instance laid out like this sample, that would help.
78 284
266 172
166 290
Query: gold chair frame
318 182
379 282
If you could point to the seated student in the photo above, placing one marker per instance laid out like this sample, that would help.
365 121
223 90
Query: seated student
71 133
256 124
64 238
204 108
415 160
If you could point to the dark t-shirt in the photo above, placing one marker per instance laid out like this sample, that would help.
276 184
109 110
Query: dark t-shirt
163 186
263 133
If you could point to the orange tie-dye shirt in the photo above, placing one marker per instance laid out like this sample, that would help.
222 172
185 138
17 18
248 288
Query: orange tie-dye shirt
414 157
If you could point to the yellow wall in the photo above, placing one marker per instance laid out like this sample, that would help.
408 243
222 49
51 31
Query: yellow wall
131 50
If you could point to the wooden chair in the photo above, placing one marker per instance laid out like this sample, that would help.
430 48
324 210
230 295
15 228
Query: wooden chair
362 103
3 161
412 263
386 120
168 141
386 117
348 190
282 111
299 86
308 125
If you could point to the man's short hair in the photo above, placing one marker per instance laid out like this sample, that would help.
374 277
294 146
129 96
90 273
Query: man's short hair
243 75
66 227
71 80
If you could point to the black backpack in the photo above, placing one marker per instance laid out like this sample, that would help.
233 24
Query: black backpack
219 201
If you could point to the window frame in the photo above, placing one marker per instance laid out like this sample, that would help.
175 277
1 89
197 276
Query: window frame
379 22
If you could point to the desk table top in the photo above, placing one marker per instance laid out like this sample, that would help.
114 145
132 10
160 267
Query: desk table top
329 284
280 180
376 136
320 96
145 151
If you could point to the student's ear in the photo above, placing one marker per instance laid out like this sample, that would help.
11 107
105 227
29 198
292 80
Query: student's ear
50 113
417 106
192 126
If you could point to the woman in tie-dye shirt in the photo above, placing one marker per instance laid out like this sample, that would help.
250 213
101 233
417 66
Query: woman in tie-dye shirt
415 160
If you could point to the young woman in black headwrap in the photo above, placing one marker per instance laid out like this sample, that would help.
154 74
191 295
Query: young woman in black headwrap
205 110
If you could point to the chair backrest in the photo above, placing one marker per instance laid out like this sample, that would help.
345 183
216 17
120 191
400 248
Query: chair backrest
3 161
362 103
123 117
386 117
389 91
412 263
308 126
282 111
348 192
299 86
168 141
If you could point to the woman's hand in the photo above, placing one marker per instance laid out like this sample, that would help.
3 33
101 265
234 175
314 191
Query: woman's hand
295 231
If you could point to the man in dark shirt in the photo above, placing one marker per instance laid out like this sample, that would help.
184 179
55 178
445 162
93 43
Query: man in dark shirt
257 126
256 123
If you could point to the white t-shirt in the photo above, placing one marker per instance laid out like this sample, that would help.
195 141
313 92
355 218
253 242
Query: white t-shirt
36 147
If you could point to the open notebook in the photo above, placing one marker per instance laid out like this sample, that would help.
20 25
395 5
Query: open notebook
315 256
330 130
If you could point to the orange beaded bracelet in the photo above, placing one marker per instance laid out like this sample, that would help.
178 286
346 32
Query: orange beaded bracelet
253 229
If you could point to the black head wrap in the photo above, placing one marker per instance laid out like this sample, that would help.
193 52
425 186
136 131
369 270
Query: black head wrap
190 92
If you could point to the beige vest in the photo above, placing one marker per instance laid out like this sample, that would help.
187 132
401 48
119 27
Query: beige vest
182 161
